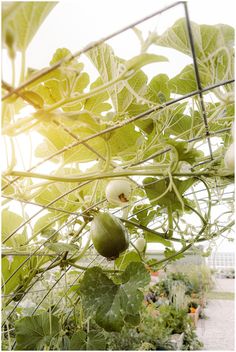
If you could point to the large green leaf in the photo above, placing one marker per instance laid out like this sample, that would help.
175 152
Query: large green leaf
123 142
97 103
46 221
62 247
157 188
24 18
111 67
184 82
152 238
190 155
49 194
207 38
9 265
183 126
126 258
158 89
36 332
134 89
66 80
91 341
112 304
80 126
10 222
214 50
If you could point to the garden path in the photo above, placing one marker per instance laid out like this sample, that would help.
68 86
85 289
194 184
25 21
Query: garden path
218 331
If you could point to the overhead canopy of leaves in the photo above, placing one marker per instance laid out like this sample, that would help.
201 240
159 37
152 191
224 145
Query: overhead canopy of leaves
111 67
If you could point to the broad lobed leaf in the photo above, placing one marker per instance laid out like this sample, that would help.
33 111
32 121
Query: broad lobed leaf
36 332
24 19
111 303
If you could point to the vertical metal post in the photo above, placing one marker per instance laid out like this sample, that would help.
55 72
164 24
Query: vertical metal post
197 76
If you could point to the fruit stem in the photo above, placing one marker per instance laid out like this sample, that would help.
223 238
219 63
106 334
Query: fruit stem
170 221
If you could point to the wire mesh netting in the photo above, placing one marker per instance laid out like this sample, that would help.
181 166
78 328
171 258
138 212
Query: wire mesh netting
67 136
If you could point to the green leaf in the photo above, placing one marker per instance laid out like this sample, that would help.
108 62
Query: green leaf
82 81
10 190
62 247
134 89
111 67
123 142
98 103
158 89
50 193
36 332
185 81
52 90
43 223
182 125
143 59
9 265
155 188
10 222
82 126
59 55
184 152
207 38
171 252
111 303
108 66
213 48
33 97
152 238
65 81
24 18
104 59
91 341
125 259
45 149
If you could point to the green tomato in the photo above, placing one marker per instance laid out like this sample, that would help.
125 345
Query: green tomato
110 237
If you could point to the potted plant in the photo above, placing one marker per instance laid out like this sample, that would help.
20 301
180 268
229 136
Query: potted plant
194 310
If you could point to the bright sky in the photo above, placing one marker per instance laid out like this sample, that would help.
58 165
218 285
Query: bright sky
73 24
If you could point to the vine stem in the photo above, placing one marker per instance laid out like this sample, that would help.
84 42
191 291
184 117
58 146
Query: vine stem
88 95
21 122
170 221
85 268
23 61
138 252
84 250
198 236
95 176
13 68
